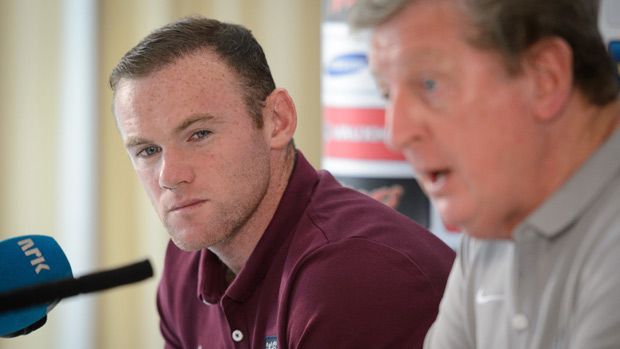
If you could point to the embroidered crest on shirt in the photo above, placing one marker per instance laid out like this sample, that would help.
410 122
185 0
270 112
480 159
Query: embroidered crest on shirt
271 342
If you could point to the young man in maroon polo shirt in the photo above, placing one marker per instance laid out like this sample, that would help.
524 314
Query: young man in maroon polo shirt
266 252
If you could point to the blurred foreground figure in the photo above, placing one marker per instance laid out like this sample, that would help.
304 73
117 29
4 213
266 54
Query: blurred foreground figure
507 110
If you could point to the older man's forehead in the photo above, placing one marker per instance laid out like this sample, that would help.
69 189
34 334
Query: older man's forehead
403 41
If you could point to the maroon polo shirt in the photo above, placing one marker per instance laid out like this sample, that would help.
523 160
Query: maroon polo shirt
334 269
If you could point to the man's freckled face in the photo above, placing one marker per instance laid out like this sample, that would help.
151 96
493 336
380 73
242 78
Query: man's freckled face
199 154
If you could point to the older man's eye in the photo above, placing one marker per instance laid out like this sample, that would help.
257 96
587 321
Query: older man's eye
385 94
429 84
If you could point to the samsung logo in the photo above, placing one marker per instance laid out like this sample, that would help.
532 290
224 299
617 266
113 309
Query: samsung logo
350 63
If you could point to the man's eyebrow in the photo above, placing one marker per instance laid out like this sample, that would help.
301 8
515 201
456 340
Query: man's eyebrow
137 141
192 120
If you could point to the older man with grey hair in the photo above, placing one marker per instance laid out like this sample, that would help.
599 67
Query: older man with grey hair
508 112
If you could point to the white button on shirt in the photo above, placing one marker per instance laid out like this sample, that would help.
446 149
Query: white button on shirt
519 322
237 336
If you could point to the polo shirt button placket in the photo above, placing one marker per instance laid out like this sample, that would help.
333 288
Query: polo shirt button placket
237 336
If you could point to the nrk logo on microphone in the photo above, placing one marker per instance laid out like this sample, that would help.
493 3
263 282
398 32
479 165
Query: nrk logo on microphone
26 261
37 260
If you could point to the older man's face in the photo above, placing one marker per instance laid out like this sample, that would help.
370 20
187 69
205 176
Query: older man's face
463 123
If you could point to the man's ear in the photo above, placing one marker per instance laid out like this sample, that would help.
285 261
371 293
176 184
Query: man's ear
280 118
549 64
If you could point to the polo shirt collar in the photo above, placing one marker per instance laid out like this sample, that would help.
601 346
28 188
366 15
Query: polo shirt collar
212 272
566 205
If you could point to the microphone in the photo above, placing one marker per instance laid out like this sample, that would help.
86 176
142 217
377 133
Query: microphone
56 290
25 261
35 275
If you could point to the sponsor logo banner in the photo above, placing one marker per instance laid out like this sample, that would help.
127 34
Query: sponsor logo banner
356 133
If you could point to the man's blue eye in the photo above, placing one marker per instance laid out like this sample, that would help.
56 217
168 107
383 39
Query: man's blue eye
429 84
200 134
148 151
385 95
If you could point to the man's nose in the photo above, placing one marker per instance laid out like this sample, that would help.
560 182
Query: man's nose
175 170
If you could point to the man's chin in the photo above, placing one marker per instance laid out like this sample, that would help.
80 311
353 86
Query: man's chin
187 242
481 231
450 216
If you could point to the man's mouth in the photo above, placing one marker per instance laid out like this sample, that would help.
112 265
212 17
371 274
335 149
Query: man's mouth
437 176
186 205
435 180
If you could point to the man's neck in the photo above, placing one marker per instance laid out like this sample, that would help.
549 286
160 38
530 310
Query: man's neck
586 129
570 142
